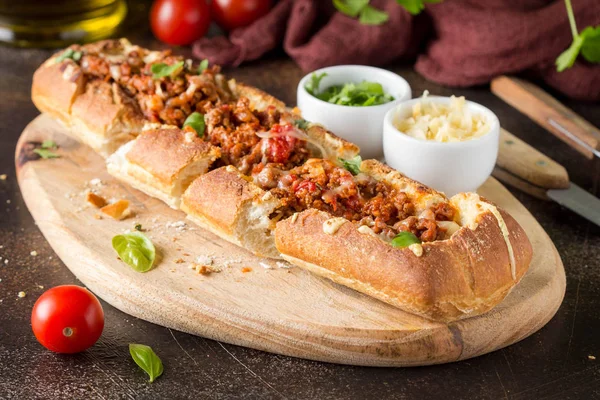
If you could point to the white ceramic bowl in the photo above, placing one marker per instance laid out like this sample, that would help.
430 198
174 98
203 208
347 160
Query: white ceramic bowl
452 167
360 125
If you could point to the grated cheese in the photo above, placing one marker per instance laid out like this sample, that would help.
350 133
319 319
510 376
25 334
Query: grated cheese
438 122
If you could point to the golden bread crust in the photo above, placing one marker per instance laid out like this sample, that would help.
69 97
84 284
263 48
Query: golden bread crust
165 152
232 191
104 117
456 278
56 86
336 146
259 100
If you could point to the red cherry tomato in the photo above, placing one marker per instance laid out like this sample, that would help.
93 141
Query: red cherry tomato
179 22
231 14
67 319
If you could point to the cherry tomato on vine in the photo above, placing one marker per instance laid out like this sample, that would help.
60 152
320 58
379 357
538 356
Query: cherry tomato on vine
231 14
67 319
179 22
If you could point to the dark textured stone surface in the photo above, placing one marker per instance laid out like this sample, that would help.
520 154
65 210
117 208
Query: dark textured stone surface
553 363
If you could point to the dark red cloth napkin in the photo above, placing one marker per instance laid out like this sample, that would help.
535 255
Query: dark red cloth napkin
456 43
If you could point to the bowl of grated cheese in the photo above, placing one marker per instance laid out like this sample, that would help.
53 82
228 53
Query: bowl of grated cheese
447 143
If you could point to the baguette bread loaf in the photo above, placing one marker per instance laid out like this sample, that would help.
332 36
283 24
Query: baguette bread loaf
465 274
260 176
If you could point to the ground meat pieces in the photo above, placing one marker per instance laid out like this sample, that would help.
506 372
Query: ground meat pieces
444 212
383 210
95 66
269 117
242 112
404 206
425 229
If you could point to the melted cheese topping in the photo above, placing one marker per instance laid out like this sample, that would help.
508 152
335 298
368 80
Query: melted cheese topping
450 226
365 230
294 217
332 225
439 122
417 249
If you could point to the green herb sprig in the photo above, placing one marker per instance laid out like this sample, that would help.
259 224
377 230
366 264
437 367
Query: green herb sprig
301 123
162 70
358 95
203 65
405 239
352 164
69 54
135 250
587 42
147 360
196 121
369 15
45 148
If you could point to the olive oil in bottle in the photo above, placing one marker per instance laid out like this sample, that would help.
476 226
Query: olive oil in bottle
56 23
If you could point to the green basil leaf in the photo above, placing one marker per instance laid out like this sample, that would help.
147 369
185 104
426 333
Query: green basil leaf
203 65
370 87
590 50
45 153
404 239
301 123
412 6
196 121
136 250
147 360
162 70
49 144
69 53
372 16
352 165
312 87
567 58
350 8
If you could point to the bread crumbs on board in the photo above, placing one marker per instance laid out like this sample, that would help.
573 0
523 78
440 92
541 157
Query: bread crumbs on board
3 177
22 294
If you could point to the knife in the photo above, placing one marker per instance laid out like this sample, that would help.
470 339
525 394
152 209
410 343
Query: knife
526 169
549 113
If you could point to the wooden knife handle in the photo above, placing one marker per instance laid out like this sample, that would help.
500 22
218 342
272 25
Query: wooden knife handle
549 113
528 164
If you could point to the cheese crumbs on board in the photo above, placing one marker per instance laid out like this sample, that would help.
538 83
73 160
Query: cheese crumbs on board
439 122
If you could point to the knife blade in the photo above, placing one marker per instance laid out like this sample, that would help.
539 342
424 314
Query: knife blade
576 199
527 169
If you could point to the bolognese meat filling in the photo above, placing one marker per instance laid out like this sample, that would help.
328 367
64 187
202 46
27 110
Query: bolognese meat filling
250 139
167 88
322 185
265 145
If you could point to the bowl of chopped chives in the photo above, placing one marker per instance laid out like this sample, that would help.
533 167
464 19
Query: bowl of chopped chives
351 101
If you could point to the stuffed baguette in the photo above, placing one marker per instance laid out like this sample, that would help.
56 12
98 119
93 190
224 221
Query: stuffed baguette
286 188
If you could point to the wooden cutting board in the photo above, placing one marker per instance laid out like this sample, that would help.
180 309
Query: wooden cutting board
255 302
